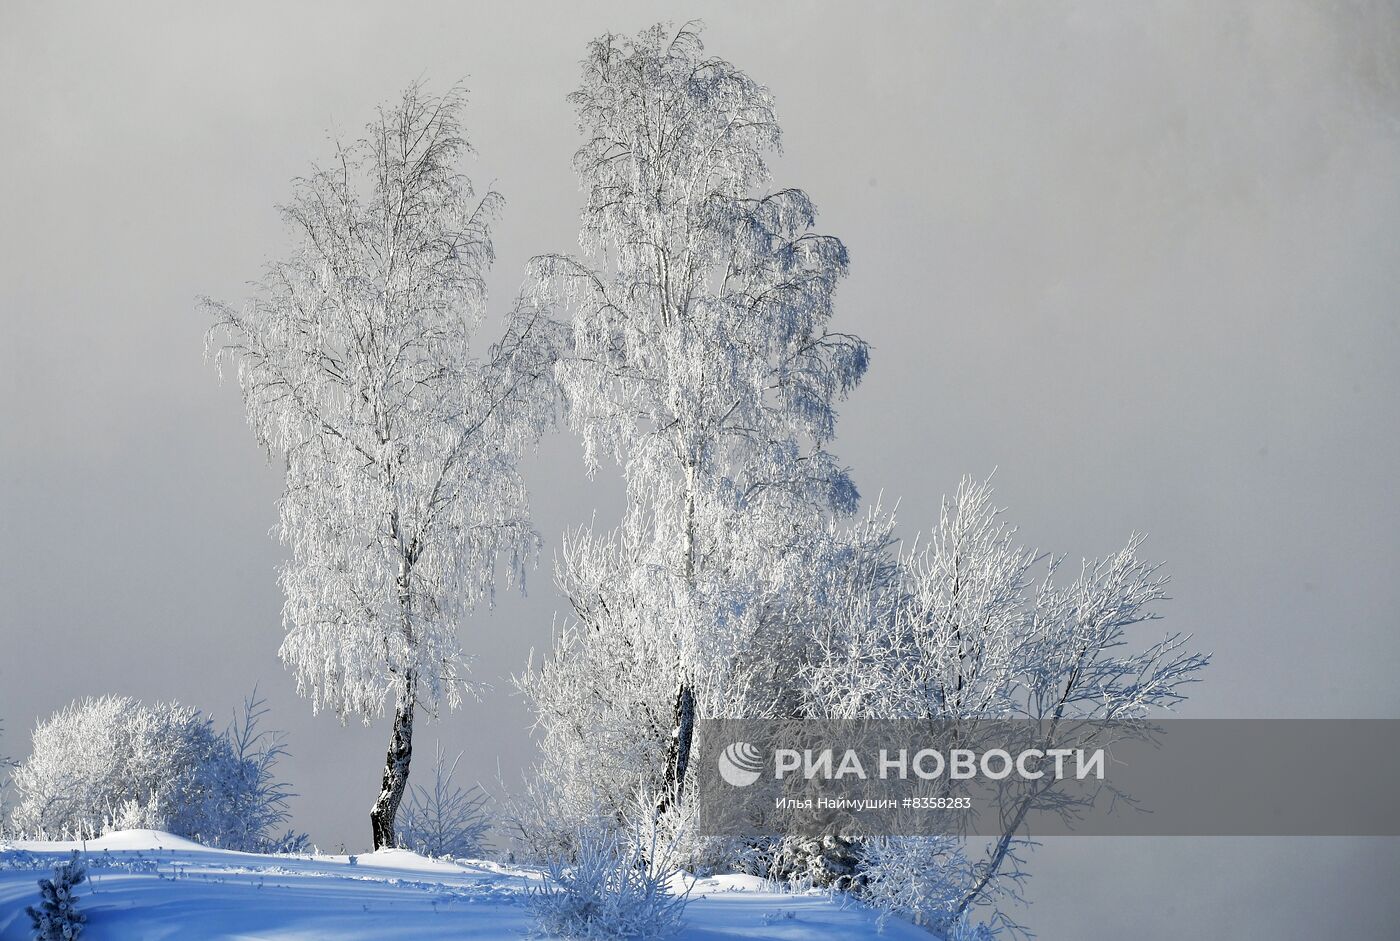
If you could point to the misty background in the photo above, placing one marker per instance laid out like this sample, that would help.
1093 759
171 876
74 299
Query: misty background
1142 259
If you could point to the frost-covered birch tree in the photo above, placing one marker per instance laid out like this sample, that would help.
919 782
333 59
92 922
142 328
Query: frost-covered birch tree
356 363
701 360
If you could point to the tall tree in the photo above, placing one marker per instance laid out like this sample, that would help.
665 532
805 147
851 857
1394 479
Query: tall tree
701 358
356 365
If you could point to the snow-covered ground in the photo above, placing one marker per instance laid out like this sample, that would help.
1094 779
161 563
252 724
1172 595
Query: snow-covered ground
144 885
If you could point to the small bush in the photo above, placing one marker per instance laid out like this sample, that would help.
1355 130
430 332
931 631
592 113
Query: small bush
613 888
443 819
828 862
536 820
257 802
919 878
57 918
290 843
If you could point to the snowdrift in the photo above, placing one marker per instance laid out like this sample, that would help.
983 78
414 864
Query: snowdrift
145 885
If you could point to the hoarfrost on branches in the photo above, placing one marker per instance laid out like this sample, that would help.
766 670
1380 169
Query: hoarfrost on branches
113 763
701 360
964 629
356 364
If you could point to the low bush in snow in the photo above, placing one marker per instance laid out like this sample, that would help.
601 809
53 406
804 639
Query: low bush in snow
613 887
546 823
112 763
918 878
443 819
830 861
537 820
258 800
926 880
57 918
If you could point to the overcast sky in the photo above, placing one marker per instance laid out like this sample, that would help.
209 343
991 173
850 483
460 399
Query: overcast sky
1143 259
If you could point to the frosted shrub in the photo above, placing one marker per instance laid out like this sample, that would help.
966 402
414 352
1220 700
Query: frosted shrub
97 761
135 815
918 878
256 805
57 918
112 763
444 819
613 888
827 861
532 818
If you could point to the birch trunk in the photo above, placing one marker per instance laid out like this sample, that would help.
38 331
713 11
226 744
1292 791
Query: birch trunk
683 712
396 762
678 752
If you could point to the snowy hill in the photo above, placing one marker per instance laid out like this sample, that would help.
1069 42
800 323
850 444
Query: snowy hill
147 886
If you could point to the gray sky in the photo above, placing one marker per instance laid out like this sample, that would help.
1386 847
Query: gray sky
1142 258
